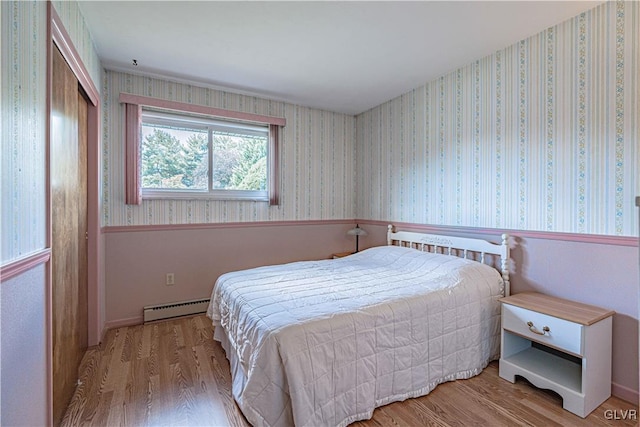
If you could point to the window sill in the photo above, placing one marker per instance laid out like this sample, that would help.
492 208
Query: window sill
222 195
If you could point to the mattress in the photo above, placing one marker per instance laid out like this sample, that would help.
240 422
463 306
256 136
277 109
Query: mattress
326 342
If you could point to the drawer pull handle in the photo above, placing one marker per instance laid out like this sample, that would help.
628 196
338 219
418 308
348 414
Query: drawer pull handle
533 329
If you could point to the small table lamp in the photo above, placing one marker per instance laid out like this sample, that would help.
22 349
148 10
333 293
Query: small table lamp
357 231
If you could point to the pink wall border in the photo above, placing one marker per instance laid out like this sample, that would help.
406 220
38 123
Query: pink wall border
199 226
19 266
568 237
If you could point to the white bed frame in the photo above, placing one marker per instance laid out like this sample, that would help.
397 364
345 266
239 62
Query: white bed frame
458 246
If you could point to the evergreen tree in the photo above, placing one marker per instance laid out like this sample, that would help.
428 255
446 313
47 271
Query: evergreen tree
250 172
169 163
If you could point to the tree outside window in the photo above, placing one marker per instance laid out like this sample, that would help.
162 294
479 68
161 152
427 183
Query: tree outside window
202 156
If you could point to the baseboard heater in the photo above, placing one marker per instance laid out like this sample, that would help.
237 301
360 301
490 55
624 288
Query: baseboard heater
175 309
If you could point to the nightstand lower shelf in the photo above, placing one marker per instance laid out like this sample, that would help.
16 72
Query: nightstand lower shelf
538 366
543 370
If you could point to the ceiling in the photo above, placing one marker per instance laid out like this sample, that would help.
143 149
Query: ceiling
339 56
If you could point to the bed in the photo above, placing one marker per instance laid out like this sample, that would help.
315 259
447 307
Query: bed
325 342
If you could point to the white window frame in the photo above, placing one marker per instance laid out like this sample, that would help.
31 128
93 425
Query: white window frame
210 125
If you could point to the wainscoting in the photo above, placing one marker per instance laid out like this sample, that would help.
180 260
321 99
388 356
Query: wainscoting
137 259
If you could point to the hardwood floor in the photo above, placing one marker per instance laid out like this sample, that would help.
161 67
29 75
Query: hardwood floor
173 374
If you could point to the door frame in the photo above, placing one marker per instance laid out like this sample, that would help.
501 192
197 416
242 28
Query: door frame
57 34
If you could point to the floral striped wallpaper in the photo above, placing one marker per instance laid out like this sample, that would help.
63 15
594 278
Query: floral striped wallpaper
317 161
22 145
23 118
542 135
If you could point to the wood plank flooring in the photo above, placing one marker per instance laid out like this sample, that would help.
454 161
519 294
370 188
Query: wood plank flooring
172 373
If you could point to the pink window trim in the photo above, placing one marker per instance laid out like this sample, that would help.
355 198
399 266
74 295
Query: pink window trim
274 182
133 118
127 98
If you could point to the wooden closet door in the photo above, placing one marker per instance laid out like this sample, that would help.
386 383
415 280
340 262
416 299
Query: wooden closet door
68 164
83 258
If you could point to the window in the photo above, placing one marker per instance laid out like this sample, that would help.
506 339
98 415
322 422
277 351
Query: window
169 144
189 157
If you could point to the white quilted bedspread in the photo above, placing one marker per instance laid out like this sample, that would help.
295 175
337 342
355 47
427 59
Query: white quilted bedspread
323 343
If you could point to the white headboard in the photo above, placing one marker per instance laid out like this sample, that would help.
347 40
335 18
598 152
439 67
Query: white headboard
459 246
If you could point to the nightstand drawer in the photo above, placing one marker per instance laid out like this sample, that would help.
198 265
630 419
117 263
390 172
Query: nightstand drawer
562 334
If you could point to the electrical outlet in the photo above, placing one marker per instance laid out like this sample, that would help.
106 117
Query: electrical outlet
171 280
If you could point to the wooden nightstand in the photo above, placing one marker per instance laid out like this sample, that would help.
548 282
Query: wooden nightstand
341 254
560 345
